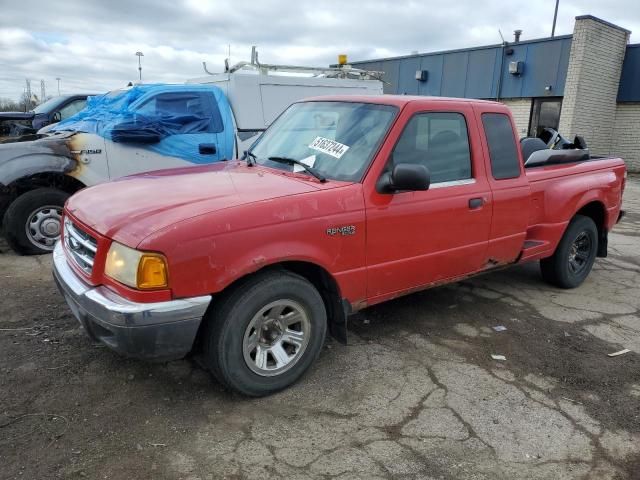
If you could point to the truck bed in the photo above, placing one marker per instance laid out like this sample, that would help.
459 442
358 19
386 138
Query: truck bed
558 191
593 164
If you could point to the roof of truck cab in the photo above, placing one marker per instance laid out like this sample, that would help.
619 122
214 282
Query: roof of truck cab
396 100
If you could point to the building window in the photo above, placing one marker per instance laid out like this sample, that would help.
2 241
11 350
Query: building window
440 142
502 146
545 114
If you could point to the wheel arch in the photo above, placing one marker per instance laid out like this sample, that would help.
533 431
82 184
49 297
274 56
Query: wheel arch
48 179
596 211
51 179
337 308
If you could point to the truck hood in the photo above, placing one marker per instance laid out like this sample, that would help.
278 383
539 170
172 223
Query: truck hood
132 208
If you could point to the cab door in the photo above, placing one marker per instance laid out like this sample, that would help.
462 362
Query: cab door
508 182
418 238
191 124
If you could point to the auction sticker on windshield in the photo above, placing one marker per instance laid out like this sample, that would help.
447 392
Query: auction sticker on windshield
330 147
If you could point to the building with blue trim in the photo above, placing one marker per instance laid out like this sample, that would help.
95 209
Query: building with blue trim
587 83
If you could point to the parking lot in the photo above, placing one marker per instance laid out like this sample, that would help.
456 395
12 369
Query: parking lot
416 393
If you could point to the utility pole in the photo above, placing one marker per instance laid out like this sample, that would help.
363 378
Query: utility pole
555 17
27 102
140 55
58 80
43 92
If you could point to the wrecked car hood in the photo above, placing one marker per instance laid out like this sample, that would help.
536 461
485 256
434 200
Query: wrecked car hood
51 153
16 116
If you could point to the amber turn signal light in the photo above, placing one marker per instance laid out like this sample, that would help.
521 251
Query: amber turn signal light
152 272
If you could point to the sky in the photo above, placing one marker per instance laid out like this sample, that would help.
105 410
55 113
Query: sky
91 45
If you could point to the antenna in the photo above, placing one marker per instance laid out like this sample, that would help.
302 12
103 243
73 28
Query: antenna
501 36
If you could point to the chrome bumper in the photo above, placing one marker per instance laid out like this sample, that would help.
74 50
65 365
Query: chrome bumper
152 331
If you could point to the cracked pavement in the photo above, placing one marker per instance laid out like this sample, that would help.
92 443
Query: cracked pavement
415 394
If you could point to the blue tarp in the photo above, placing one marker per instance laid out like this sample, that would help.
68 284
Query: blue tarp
169 119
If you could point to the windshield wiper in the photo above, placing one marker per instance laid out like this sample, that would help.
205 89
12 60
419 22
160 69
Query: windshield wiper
250 157
293 161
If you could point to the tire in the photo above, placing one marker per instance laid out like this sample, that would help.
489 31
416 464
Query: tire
573 259
32 222
236 343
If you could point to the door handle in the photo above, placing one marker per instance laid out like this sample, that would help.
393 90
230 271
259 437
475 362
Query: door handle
475 203
207 148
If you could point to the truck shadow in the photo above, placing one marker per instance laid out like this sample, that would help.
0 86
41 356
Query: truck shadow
460 317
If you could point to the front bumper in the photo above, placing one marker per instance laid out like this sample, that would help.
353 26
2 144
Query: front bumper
151 331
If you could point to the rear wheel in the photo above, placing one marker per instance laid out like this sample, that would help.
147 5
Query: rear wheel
572 261
262 336
32 223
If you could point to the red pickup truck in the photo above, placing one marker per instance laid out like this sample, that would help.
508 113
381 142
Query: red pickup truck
343 203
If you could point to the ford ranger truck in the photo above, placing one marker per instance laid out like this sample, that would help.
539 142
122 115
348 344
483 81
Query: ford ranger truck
343 203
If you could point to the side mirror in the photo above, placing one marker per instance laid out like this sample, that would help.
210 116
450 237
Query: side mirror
405 177
56 117
132 132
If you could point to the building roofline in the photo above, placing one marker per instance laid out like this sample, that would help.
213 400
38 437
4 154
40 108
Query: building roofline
469 49
604 22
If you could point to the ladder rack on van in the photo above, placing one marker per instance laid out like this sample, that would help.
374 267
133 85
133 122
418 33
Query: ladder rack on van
342 71
328 72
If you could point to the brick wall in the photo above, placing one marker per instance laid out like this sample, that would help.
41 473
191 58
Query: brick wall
595 63
626 135
521 110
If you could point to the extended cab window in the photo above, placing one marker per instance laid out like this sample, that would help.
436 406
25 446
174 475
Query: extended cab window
502 146
184 112
439 141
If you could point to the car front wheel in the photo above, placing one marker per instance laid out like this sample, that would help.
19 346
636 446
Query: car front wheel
33 221
263 335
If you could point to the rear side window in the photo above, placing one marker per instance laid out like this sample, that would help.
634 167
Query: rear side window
440 142
502 146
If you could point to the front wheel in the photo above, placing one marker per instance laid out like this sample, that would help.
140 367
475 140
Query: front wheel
263 335
32 223
572 261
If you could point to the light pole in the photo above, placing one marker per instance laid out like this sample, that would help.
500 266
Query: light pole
58 79
140 55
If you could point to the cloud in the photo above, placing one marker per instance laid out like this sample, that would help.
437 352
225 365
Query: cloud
91 45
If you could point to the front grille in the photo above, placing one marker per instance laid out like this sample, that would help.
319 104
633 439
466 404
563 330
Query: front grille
81 246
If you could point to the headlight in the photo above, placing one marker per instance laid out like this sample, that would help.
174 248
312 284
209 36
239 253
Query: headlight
140 270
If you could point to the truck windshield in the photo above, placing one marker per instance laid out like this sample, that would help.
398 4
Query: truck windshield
336 139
